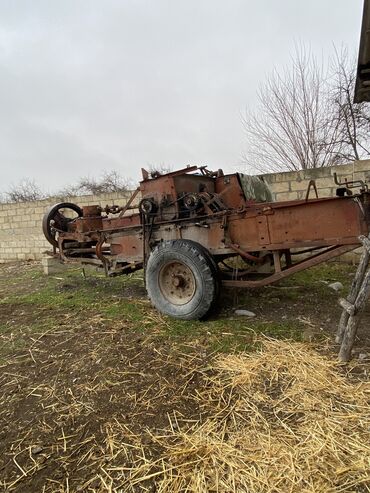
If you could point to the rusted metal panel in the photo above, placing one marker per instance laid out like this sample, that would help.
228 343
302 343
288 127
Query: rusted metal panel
85 224
298 223
316 220
115 223
127 248
91 211
193 183
263 228
211 209
229 187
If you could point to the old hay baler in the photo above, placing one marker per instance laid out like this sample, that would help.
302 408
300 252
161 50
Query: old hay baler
190 225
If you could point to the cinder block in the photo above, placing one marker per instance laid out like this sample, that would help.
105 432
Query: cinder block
40 243
363 165
280 187
316 173
10 256
343 169
299 185
320 183
286 196
325 183
323 192
361 175
52 265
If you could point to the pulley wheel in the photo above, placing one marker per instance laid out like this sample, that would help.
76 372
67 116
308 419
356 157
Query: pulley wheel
57 218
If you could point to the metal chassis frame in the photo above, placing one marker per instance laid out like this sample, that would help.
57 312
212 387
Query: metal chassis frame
280 273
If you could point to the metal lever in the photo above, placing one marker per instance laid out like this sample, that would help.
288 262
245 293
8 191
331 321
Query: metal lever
351 184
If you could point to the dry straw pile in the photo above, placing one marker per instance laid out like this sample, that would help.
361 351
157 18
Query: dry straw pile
283 420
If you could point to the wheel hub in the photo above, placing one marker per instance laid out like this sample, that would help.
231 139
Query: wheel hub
177 283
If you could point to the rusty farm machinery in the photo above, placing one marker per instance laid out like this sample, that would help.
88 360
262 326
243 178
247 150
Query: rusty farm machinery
187 228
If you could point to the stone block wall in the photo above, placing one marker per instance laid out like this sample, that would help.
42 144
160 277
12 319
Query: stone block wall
293 185
21 236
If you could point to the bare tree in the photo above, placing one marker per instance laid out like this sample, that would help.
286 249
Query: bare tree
27 190
353 118
294 125
24 191
159 169
109 181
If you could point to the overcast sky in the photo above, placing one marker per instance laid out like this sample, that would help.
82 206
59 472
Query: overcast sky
91 85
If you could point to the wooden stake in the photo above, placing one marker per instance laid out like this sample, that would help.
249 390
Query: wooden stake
355 288
354 320
354 305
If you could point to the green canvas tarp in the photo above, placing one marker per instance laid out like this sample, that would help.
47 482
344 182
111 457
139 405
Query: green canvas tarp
255 188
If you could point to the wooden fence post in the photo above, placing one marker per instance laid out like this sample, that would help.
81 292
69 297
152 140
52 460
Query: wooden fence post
354 305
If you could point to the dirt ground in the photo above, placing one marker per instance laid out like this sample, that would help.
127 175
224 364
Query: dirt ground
86 363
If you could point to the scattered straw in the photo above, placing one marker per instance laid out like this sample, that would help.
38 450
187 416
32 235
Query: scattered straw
283 420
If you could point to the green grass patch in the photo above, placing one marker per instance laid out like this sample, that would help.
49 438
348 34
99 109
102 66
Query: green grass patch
46 300
322 274
230 334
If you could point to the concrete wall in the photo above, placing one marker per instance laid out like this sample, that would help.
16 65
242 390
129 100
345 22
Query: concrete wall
21 236
293 185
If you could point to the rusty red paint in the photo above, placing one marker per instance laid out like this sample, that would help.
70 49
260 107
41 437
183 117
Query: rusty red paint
216 215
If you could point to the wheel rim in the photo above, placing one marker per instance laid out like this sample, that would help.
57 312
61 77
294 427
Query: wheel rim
177 283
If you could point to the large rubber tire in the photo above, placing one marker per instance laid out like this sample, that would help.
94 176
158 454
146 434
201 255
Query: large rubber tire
199 266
